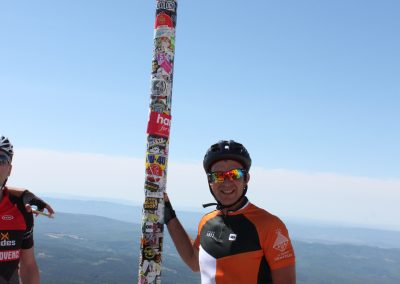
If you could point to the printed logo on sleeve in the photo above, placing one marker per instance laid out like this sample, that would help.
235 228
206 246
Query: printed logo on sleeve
281 243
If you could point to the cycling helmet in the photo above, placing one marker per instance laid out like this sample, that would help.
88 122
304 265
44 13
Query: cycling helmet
227 150
6 146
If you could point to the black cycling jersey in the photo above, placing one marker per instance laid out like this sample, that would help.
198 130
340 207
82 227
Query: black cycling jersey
16 234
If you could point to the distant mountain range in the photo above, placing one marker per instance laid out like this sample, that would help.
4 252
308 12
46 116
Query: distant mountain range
299 230
83 248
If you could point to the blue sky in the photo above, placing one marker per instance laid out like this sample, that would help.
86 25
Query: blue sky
307 86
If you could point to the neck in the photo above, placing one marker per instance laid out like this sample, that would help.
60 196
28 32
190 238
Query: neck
237 205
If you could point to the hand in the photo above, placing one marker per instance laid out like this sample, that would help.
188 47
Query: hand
30 200
169 212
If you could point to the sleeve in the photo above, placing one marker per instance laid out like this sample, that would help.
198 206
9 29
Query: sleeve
27 241
197 239
278 248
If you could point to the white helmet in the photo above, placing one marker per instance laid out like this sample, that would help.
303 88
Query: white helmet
6 146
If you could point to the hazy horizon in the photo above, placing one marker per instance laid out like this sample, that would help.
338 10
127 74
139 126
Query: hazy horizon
322 197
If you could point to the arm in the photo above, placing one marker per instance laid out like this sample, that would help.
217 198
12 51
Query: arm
16 191
28 269
30 199
285 275
184 245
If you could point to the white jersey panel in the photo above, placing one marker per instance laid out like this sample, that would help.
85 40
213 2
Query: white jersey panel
208 267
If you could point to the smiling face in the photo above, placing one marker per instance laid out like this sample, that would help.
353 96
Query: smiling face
230 190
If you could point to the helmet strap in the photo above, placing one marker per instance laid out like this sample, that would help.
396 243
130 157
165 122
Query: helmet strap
4 184
220 206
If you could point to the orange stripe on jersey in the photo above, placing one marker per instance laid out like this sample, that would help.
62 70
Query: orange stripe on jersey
243 268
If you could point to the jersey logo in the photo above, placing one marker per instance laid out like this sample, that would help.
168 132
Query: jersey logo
5 240
9 255
7 217
211 234
232 237
281 243
4 236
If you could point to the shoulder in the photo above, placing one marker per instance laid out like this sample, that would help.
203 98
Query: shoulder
261 215
208 217
18 202
15 199
265 222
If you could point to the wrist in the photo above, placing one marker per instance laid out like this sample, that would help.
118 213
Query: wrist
169 212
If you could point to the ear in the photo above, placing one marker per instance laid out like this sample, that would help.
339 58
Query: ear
9 171
247 177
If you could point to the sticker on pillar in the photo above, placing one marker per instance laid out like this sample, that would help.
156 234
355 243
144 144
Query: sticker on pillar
150 203
153 141
152 186
164 60
164 32
156 159
158 149
149 253
163 20
159 124
160 88
166 5
164 45
160 105
154 173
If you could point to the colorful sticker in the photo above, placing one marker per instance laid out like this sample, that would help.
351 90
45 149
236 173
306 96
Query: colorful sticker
165 62
153 141
150 203
164 32
160 88
158 149
163 20
159 124
166 5
164 45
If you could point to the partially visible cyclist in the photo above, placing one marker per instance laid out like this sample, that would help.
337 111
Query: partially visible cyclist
17 259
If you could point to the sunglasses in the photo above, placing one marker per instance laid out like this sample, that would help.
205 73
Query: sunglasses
4 160
219 177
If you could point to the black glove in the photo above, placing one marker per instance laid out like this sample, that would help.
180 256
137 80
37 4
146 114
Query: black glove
169 212
31 199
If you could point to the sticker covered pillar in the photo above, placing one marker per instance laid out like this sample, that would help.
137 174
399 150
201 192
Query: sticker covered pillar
158 133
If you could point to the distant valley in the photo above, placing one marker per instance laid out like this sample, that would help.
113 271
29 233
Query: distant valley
83 248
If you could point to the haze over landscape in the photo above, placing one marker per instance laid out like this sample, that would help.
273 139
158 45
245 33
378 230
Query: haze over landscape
310 88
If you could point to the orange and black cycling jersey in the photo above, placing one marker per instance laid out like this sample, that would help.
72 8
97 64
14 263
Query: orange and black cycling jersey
242 246
16 233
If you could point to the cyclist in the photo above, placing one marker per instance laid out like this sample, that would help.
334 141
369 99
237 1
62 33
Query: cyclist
238 242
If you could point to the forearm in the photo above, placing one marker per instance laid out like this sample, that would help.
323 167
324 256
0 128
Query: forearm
29 274
183 244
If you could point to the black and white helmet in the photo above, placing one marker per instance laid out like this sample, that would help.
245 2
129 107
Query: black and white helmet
227 150
6 146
